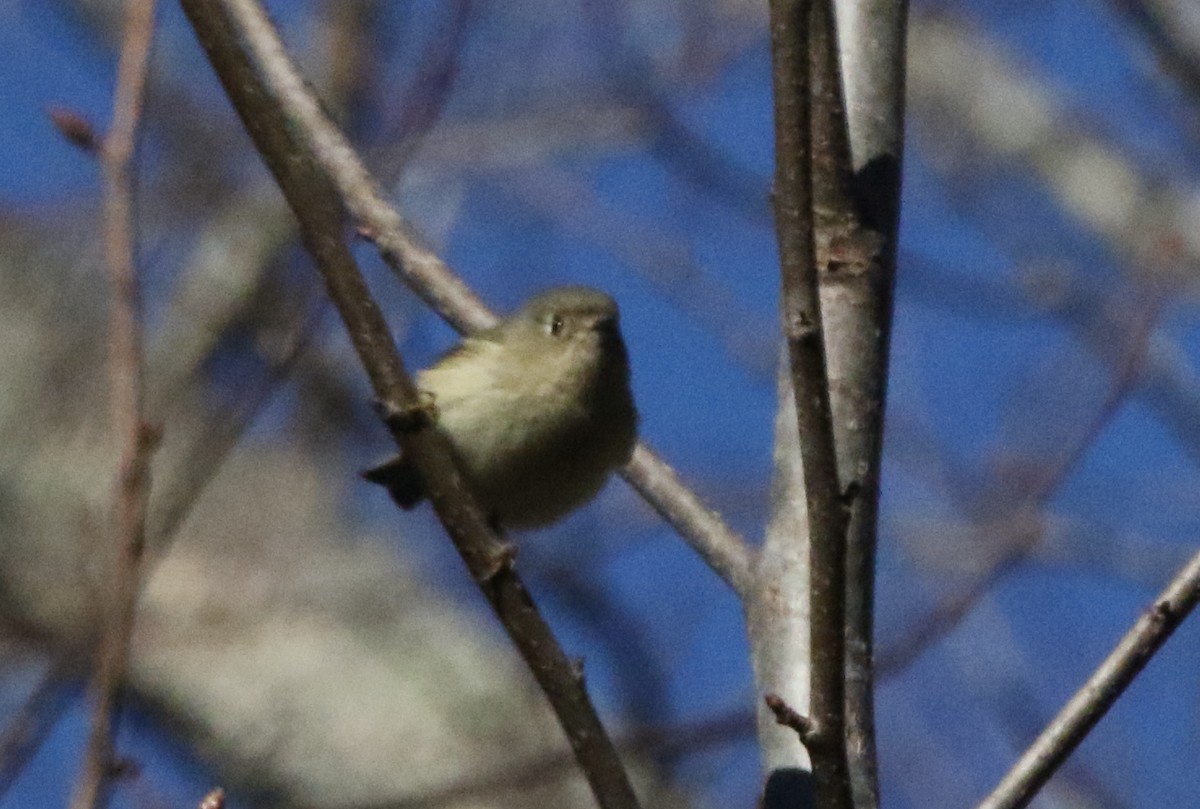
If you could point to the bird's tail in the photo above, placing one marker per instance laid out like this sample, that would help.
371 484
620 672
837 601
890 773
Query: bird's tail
401 480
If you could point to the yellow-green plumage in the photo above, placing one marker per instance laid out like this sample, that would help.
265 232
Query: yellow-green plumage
538 409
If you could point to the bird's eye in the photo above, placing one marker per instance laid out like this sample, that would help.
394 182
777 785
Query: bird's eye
555 325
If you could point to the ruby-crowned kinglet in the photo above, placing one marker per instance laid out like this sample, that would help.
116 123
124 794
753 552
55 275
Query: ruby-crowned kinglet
537 409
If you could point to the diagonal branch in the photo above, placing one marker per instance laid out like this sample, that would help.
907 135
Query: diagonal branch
717 544
239 41
431 279
1090 703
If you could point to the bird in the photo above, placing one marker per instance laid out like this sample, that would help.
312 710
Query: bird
538 410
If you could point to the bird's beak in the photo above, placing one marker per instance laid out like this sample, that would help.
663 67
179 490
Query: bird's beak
605 324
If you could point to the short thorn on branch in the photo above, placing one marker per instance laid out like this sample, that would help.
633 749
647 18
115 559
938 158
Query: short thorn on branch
806 728
410 419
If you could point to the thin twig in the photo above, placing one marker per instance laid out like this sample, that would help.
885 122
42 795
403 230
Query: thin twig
77 129
1090 703
126 395
725 552
248 57
430 277
802 325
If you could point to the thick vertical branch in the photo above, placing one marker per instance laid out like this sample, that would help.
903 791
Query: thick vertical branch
806 351
857 124
126 394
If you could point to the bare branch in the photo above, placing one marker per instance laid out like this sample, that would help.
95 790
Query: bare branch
126 399
1090 703
401 248
248 57
777 613
857 128
725 552
803 331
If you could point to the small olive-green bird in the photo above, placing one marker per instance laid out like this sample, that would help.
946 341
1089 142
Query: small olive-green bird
537 408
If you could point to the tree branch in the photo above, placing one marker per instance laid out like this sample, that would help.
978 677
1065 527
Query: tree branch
857 68
802 325
432 280
1090 703
717 544
126 399
248 57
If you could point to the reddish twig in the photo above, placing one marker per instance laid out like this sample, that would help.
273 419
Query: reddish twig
136 438
789 717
